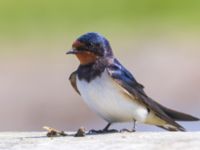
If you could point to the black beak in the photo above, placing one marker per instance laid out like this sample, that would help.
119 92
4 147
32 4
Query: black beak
72 51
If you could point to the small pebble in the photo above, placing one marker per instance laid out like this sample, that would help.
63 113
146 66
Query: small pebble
80 132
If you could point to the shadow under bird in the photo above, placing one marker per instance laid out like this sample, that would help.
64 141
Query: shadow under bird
110 90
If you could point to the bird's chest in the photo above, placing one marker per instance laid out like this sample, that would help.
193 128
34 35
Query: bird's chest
106 98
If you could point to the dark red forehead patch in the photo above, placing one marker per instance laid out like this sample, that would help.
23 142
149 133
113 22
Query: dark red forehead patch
77 44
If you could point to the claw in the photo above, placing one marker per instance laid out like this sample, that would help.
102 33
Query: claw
127 130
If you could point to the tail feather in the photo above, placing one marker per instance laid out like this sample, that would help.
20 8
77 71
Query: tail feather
178 116
171 128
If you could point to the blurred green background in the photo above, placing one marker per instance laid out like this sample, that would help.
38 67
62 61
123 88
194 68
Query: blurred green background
156 40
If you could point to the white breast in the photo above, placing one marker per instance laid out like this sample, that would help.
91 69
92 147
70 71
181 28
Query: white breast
106 98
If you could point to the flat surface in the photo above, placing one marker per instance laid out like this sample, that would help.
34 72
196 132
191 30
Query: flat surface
137 140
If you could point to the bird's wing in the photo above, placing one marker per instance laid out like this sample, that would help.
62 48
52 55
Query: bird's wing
134 89
72 79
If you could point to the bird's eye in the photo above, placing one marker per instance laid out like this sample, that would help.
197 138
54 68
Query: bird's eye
98 44
89 45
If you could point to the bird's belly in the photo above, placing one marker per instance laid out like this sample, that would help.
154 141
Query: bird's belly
107 99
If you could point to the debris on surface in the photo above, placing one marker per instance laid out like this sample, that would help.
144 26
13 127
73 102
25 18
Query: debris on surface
51 132
80 132
121 141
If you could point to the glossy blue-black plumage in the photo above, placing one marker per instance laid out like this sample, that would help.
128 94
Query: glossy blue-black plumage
96 43
119 72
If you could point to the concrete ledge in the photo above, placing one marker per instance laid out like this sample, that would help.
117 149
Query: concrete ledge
134 141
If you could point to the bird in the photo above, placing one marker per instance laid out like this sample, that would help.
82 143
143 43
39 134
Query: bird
111 91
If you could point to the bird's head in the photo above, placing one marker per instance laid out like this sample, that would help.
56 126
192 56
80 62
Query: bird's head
91 46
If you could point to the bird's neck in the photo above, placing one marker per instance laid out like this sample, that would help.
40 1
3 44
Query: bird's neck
92 70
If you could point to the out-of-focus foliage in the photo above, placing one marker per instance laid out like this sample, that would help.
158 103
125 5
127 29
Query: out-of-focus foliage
30 17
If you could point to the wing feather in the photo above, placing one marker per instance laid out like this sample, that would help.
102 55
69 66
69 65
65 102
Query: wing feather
125 79
72 79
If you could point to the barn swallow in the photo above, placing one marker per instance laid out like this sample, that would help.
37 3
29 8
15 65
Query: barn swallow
110 90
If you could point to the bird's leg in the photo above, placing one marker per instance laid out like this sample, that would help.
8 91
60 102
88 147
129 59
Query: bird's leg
127 130
104 130
106 127
134 126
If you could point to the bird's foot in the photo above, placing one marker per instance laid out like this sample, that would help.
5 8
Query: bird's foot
127 130
102 131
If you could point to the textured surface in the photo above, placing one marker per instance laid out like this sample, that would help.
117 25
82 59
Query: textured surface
138 140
